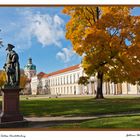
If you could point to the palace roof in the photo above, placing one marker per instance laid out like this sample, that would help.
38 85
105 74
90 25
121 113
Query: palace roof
41 74
62 71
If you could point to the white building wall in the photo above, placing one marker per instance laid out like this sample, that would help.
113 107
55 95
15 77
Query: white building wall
34 84
67 83
104 88
133 89
30 73
129 88
124 88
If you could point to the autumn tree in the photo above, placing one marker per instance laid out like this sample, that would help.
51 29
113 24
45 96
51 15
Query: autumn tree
23 79
2 78
83 80
108 38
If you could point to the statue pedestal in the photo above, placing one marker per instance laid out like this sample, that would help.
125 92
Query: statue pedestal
10 105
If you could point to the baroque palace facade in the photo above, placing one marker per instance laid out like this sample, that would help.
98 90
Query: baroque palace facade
65 82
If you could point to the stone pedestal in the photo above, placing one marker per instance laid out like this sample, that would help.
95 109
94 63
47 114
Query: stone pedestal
10 106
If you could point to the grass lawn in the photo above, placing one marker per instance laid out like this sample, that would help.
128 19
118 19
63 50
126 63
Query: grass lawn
85 106
79 106
112 122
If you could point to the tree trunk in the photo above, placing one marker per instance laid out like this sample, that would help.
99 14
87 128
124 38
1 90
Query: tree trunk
99 94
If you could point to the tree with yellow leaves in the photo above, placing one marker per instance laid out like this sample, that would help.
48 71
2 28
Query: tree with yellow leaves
83 80
23 81
2 78
108 38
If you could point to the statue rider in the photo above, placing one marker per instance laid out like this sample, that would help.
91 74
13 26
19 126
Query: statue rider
12 67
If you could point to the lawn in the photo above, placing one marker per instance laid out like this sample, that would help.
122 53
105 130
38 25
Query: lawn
85 106
110 122
79 106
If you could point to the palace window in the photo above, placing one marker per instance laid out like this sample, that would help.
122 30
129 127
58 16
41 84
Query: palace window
78 75
53 81
50 82
59 81
70 79
73 78
67 79
56 81
68 90
64 90
74 90
64 79
71 90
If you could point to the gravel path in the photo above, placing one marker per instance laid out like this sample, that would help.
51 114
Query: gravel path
45 122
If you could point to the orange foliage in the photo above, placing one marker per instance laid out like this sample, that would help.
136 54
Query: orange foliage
2 78
109 38
23 80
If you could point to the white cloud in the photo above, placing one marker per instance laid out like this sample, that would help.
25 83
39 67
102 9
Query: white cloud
66 54
46 29
58 20
60 55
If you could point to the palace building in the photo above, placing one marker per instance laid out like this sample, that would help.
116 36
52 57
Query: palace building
29 71
65 82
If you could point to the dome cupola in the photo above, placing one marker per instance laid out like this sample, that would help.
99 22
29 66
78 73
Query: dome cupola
30 65
30 69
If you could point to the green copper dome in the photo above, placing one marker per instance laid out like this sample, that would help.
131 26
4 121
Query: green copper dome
30 65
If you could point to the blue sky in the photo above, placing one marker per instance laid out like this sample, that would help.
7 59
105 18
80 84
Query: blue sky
38 33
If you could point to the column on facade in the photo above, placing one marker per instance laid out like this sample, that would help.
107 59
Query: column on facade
119 87
104 87
34 85
112 88
79 89
138 89
95 85
89 88
43 86
93 88
108 88
124 88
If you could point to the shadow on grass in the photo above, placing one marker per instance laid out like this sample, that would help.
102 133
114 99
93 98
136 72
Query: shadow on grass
79 107
124 122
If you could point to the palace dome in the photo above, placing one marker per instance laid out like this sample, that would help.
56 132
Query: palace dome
30 65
